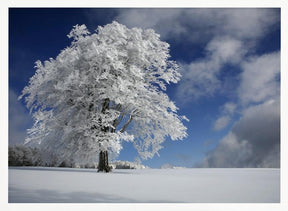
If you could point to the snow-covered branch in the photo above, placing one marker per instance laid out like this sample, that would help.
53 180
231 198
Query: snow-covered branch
126 124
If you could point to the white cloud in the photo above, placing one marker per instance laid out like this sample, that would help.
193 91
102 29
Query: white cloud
19 119
229 108
221 123
200 25
229 153
248 23
201 78
259 78
225 50
164 21
227 111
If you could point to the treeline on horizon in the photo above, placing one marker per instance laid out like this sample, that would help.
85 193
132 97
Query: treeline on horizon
20 155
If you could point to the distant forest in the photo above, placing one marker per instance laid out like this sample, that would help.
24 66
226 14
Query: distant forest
20 155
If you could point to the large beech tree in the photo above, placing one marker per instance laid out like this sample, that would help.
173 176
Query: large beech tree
105 88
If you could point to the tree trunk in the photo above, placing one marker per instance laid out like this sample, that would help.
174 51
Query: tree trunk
103 164
103 155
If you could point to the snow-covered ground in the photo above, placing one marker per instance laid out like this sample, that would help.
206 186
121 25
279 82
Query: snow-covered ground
39 184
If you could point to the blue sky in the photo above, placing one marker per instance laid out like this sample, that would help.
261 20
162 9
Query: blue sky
230 87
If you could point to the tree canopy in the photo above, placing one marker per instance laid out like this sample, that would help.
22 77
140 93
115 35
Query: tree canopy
105 88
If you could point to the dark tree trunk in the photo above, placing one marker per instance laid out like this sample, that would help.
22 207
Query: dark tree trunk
103 164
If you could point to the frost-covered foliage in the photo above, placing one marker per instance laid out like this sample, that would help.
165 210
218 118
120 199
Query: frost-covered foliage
118 164
170 166
19 155
105 88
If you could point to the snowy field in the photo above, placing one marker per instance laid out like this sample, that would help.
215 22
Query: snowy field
39 184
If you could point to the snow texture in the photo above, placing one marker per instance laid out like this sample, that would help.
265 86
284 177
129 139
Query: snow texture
65 185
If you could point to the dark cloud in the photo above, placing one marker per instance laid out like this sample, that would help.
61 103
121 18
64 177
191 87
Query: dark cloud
254 141
261 127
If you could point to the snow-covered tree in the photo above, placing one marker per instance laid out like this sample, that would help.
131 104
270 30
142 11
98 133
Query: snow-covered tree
20 155
105 88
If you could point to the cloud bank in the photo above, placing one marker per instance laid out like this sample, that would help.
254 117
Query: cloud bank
254 141
200 25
